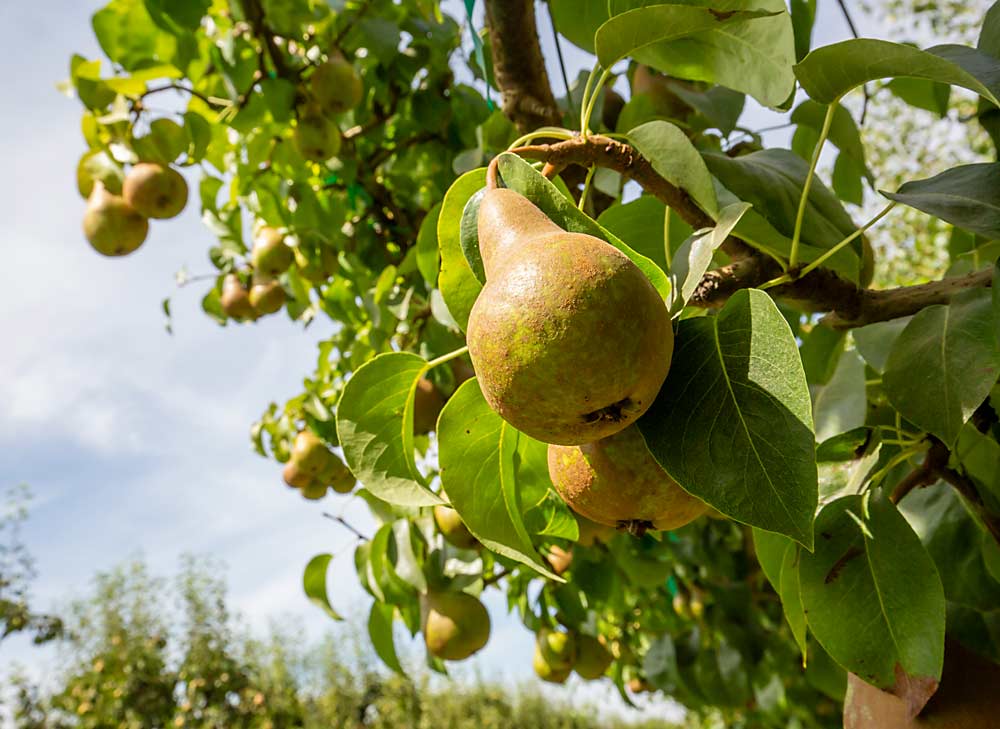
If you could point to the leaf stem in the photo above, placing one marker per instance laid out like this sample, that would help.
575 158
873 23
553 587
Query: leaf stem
860 231
541 133
586 187
584 100
446 357
901 457
585 120
793 257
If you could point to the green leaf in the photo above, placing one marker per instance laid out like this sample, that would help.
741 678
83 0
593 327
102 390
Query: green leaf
674 158
791 596
694 256
829 72
967 196
847 180
803 14
380 631
97 165
875 603
314 583
841 404
428 258
753 54
720 106
525 179
457 282
470 236
770 550
375 428
579 20
821 350
640 223
944 364
129 36
166 141
843 134
844 447
737 387
875 341
931 96
478 471
184 14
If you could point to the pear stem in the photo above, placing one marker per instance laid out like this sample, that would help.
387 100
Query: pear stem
492 174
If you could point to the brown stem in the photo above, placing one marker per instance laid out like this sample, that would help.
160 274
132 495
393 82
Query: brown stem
519 66
185 89
965 486
923 475
495 577
344 523
254 11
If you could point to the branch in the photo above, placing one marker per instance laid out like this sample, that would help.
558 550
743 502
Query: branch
344 523
255 16
519 66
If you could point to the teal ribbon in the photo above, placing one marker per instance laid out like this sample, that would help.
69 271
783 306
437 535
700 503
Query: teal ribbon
470 5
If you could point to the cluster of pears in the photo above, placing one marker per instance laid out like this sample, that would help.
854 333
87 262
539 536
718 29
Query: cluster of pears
454 624
560 652
271 257
571 343
313 468
116 225
333 88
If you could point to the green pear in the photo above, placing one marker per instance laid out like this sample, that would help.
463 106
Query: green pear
336 474
266 295
315 491
271 255
557 647
453 529
455 624
317 138
569 339
592 658
616 481
427 404
336 86
310 453
111 225
546 671
235 298
155 190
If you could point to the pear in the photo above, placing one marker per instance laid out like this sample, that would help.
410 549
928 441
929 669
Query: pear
569 339
559 559
546 671
968 697
591 532
337 475
315 491
295 476
317 138
155 190
336 86
427 404
266 295
617 482
592 658
310 453
453 529
271 255
235 298
317 265
557 647
455 624
113 227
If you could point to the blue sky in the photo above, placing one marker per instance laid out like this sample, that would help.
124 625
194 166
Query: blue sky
135 443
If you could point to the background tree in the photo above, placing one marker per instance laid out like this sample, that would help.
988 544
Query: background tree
649 297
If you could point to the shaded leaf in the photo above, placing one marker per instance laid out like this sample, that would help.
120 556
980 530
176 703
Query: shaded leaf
314 583
967 196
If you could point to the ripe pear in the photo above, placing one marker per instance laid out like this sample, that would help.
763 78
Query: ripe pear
266 295
235 298
617 482
271 255
592 658
113 227
546 671
336 475
569 339
317 138
155 190
968 697
453 529
310 453
336 86
559 559
315 491
557 647
295 476
591 532
427 404
455 624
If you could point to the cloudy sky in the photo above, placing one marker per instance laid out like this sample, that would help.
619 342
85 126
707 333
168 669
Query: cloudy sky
134 442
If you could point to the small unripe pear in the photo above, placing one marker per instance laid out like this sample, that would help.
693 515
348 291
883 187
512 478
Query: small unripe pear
235 298
266 295
336 475
453 529
271 255
592 658
155 190
317 138
557 647
546 671
111 225
427 404
455 624
315 491
310 453
336 86
295 476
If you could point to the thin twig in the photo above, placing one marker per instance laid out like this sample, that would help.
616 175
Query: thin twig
495 577
562 64
343 522
350 25
854 32
216 103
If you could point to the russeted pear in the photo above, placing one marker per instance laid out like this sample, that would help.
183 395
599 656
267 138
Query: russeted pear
559 559
266 294
569 339
968 697
111 225
592 658
427 404
317 138
546 671
235 298
617 482
295 476
557 647
271 255
453 529
155 190
336 86
310 453
455 624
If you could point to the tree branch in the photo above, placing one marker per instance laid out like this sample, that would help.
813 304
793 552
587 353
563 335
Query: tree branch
519 66
254 12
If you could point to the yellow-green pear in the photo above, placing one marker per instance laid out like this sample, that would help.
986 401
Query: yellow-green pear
111 225
266 294
310 453
592 658
235 298
546 671
271 255
455 624
317 138
336 86
453 529
295 476
557 647
155 190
